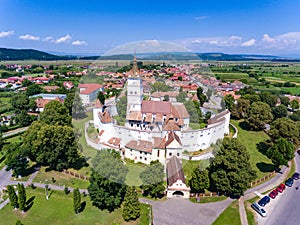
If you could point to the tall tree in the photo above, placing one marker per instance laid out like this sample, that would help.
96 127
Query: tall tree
284 128
229 102
131 206
23 118
159 86
199 180
76 200
181 97
252 98
15 158
259 115
294 104
55 113
279 111
22 197
107 182
33 89
285 100
101 97
53 146
231 170
281 152
152 178
68 102
268 98
78 108
241 109
13 198
202 97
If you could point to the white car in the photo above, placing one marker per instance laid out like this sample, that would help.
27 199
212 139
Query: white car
259 209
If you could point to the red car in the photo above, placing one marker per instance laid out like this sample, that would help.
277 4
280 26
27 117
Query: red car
273 194
280 188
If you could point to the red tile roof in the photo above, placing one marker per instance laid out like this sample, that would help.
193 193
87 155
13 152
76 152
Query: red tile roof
88 88
171 137
156 107
145 146
174 171
106 118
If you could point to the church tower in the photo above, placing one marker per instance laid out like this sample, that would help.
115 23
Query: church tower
134 89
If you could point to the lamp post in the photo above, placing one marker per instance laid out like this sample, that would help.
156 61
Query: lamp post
46 190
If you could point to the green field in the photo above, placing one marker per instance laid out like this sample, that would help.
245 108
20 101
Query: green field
261 163
58 210
189 166
229 216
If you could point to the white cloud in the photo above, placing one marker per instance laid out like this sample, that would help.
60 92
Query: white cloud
79 43
233 37
6 33
29 37
249 43
201 17
49 38
268 39
64 39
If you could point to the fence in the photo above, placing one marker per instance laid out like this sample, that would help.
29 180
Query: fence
76 175
207 194
262 179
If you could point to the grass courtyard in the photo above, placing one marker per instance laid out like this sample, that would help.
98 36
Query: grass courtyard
58 210
230 216
260 162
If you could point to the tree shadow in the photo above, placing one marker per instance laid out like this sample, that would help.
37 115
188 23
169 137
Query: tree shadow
244 125
29 203
30 170
82 206
266 167
80 163
263 146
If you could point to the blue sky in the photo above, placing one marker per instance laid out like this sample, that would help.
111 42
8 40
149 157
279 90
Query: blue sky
73 26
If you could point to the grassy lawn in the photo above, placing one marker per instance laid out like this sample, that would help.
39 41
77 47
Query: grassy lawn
60 179
88 151
133 175
208 199
261 163
59 210
197 126
229 216
189 166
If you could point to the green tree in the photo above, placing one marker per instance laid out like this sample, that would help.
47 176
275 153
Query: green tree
20 102
53 146
78 108
13 198
55 113
281 152
268 98
279 111
159 86
229 102
15 158
152 178
33 89
295 116
181 97
199 181
121 107
202 97
68 102
22 197
285 100
166 98
19 222
259 115
131 206
294 104
231 170
107 181
252 98
76 200
241 109
284 128
23 118
101 97
194 111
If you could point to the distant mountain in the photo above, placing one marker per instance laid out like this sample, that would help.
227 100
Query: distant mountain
28 54
31 54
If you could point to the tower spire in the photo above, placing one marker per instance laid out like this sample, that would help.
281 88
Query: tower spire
135 66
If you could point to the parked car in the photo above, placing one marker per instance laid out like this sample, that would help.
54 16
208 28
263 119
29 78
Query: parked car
259 209
273 194
280 188
296 176
289 182
265 200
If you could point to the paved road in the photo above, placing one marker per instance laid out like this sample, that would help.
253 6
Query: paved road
12 132
5 177
181 211
287 209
